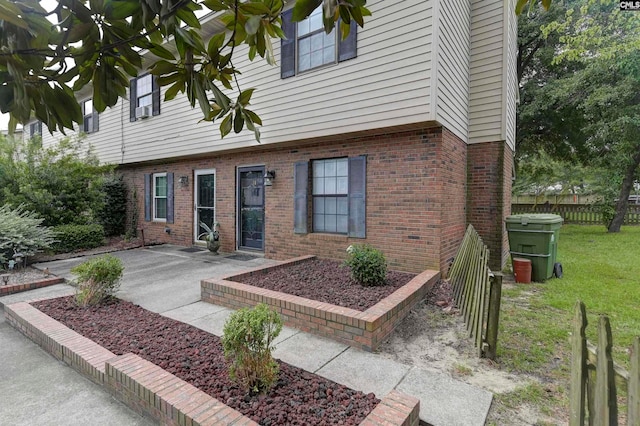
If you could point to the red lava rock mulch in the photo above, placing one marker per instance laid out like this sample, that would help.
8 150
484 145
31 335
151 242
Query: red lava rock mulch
327 281
298 398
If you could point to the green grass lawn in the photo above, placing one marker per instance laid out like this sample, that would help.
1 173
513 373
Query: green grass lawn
602 270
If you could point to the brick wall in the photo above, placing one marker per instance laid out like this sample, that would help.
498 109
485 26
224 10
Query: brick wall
362 329
489 168
415 197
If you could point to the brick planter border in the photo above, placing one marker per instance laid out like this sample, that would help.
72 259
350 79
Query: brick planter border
155 393
6 290
365 330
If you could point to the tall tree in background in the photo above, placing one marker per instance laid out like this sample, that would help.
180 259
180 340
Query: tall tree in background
580 101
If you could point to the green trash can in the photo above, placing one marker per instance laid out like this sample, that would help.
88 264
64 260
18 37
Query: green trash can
535 237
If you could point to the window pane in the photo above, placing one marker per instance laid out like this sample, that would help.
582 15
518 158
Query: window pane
143 85
304 46
342 225
342 205
330 223
315 20
161 208
303 27
330 205
342 166
315 60
88 123
304 62
87 107
318 186
329 55
316 42
318 223
318 205
318 168
330 185
330 39
161 186
343 185
330 168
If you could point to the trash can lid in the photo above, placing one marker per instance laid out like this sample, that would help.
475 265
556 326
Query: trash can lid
539 218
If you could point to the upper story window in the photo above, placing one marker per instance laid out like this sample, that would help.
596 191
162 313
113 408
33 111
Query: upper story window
35 128
160 196
89 117
144 97
307 46
315 47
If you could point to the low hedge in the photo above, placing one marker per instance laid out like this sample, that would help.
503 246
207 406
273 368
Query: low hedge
77 237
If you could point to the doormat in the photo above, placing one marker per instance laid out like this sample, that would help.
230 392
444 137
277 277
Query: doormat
191 249
241 256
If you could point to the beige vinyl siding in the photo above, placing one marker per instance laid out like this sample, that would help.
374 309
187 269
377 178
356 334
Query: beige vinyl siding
388 84
511 76
452 105
486 91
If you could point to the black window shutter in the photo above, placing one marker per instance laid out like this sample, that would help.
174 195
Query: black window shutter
132 100
96 121
357 196
288 46
301 186
348 48
147 197
155 95
169 197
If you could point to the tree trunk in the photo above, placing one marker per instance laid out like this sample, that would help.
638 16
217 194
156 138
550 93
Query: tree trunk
623 199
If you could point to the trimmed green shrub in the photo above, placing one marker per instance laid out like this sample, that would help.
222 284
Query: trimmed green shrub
77 237
247 341
368 265
113 212
98 279
21 231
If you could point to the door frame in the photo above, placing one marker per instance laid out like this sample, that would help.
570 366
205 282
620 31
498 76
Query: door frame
196 225
239 170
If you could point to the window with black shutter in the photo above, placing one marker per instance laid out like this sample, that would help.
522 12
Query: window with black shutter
144 97
306 46
90 117
338 196
158 197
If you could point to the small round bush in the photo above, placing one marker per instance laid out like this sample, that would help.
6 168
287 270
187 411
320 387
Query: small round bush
98 279
248 341
368 265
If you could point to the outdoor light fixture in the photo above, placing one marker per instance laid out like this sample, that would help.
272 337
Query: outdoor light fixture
269 176
183 181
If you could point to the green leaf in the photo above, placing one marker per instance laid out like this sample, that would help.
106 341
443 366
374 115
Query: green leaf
225 126
161 52
255 8
163 67
303 9
172 91
245 96
121 9
238 122
9 13
215 43
188 17
253 116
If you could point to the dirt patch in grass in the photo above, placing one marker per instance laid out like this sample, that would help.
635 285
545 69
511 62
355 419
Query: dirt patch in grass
327 281
298 397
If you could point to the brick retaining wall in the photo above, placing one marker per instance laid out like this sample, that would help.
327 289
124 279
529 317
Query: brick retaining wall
155 393
365 330
6 290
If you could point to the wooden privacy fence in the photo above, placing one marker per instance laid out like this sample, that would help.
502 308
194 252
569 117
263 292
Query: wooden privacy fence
593 393
580 214
477 292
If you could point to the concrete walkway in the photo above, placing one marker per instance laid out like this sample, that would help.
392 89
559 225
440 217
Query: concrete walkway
166 279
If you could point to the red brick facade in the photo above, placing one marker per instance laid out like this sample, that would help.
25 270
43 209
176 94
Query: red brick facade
416 205
490 167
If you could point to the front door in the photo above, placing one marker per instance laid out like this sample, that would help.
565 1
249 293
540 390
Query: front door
251 208
204 197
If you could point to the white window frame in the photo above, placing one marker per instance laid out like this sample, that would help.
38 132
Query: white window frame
156 197
309 35
86 115
316 194
140 95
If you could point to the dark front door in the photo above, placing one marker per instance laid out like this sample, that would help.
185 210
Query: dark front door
251 208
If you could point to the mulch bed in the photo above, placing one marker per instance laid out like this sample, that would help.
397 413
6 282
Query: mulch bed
327 281
298 398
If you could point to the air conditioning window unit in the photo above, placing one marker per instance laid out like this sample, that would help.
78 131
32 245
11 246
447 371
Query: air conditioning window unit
143 111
